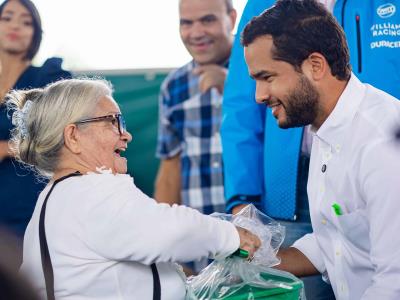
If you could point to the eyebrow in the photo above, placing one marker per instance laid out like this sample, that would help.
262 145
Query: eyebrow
201 19
10 12
259 74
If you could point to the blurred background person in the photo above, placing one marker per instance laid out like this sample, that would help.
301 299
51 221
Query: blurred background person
94 234
12 284
20 38
189 143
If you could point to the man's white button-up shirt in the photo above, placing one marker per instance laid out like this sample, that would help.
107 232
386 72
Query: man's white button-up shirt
355 163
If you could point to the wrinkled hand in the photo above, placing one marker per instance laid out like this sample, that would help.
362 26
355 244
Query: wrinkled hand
211 76
248 241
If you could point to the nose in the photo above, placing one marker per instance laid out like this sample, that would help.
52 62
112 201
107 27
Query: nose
15 24
126 137
262 92
197 30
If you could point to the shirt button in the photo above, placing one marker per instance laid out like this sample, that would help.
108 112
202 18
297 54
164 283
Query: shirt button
322 189
216 164
337 253
337 148
328 155
323 221
323 169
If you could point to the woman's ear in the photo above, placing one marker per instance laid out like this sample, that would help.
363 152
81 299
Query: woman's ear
71 138
316 66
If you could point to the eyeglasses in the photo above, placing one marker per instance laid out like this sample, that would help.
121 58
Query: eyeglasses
116 119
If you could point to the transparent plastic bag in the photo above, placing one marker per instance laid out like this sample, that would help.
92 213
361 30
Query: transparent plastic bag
235 278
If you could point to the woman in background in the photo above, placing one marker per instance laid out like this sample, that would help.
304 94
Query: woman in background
20 38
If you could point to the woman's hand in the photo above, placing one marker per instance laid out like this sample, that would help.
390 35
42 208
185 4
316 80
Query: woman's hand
248 241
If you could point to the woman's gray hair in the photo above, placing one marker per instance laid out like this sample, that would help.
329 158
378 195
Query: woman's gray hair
40 116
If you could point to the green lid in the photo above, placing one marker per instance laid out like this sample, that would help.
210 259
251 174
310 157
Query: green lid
241 253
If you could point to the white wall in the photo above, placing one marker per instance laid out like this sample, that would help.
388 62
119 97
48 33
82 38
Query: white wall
113 34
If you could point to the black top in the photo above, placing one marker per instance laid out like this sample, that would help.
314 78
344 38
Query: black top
19 189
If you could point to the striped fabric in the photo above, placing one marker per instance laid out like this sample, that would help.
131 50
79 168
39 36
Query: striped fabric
189 125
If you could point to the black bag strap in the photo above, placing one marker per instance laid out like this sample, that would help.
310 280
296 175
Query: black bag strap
156 283
45 255
44 249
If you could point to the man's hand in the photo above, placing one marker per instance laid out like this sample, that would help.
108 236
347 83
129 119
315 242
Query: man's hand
211 76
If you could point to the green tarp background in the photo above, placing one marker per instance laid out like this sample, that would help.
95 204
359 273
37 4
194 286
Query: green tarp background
137 94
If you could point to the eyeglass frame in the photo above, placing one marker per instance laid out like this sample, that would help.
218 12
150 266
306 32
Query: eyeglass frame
120 121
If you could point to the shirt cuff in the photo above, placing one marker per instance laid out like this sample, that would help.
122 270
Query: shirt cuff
231 239
243 199
309 247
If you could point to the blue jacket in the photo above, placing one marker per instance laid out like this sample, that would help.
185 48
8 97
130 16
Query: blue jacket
260 159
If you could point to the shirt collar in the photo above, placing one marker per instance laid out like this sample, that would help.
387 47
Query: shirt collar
333 131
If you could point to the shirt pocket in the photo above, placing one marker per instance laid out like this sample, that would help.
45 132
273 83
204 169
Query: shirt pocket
355 228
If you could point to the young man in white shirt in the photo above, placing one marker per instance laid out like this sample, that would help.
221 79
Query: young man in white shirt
298 55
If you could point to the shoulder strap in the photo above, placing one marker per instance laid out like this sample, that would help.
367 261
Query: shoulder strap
156 283
45 255
44 249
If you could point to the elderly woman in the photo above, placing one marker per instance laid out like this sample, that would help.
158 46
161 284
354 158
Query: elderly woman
93 233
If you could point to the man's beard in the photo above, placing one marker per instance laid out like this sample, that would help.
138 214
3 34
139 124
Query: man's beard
301 105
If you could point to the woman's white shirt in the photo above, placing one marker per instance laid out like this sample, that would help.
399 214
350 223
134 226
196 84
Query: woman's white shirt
103 233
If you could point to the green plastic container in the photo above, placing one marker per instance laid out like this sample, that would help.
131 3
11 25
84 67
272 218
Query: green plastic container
262 293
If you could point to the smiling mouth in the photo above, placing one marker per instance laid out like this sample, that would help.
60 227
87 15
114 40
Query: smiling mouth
119 151
201 46
275 106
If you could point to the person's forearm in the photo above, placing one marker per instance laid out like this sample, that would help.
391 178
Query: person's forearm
238 208
168 182
167 191
295 262
4 150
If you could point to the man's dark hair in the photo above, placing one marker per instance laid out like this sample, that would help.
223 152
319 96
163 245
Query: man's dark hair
299 28
36 23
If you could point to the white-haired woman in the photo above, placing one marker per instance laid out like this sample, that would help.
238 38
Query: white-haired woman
93 233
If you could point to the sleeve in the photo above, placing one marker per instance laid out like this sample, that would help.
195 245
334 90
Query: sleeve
379 181
52 71
134 227
168 141
309 247
242 128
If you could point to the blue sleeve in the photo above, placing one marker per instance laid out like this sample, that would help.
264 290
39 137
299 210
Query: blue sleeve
51 71
242 128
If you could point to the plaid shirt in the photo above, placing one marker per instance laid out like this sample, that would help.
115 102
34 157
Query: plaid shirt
189 125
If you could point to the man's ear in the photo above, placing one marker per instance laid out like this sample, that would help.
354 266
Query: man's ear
71 138
232 17
316 66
